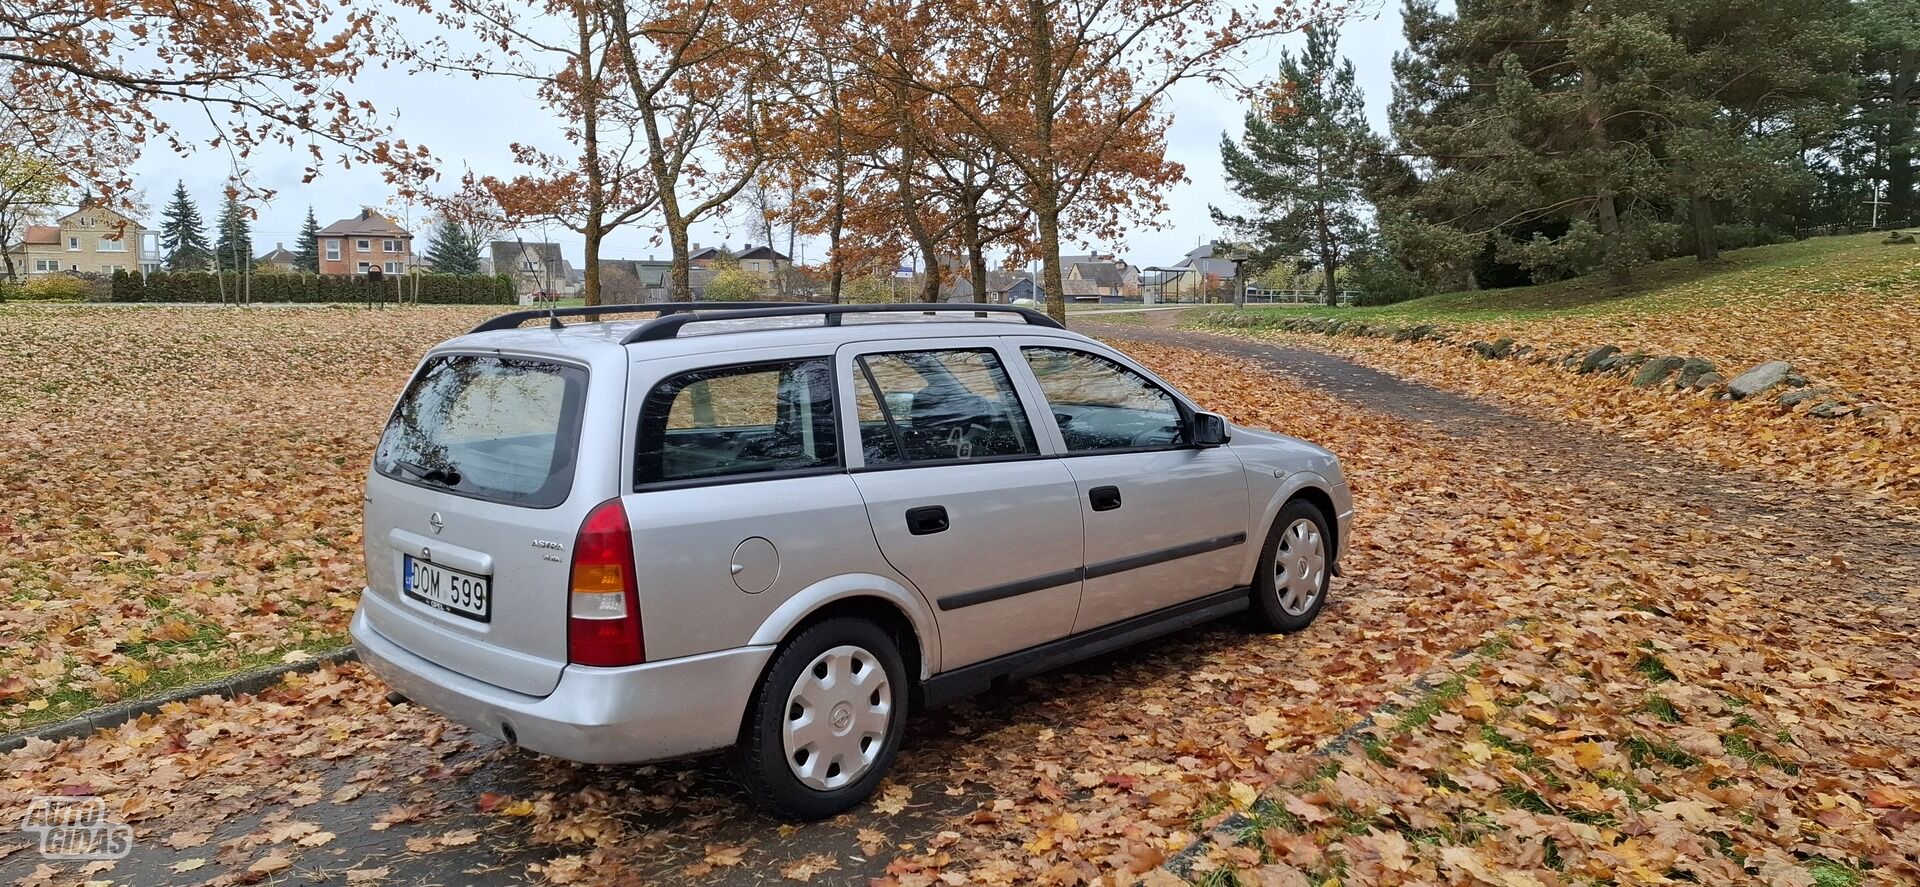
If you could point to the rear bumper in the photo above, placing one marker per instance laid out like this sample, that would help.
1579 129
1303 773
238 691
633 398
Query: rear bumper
650 712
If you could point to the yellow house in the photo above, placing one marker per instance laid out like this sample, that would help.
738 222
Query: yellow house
91 239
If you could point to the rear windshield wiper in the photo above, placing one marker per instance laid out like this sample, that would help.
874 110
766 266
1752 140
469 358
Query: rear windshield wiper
447 475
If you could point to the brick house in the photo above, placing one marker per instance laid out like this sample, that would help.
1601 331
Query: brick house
359 244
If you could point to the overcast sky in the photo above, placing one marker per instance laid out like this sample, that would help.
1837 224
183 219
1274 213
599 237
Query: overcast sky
469 124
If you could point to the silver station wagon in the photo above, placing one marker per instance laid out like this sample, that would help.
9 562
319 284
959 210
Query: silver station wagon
778 529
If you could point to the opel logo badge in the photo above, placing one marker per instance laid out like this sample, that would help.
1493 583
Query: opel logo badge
436 523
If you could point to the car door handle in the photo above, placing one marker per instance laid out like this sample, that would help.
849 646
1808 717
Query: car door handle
927 519
1104 498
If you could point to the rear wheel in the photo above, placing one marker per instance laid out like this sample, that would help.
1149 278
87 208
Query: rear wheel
1290 585
826 722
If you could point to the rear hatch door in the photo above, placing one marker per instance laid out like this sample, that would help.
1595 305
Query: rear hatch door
472 505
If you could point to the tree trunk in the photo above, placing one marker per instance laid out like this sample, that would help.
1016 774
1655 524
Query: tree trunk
1901 199
1619 269
679 285
930 278
977 268
1704 245
590 158
1050 276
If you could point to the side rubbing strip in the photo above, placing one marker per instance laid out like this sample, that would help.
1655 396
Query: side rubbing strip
1092 571
1148 559
1010 589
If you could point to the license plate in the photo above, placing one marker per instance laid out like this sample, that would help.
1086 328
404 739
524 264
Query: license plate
449 591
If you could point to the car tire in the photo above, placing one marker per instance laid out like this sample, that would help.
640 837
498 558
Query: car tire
823 727
1295 571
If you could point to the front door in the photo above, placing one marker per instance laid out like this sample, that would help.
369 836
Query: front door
1165 521
963 498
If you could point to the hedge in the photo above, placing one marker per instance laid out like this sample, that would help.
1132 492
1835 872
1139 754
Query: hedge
204 286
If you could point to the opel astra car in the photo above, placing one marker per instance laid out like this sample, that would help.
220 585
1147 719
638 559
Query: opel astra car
779 529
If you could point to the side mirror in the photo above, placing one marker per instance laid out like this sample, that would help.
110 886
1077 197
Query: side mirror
1210 430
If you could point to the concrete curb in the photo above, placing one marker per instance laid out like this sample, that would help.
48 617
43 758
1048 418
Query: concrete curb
1181 864
251 681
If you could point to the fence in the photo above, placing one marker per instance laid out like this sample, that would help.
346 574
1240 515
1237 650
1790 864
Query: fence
1263 296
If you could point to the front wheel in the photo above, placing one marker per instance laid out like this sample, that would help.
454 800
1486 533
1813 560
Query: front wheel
1290 585
825 724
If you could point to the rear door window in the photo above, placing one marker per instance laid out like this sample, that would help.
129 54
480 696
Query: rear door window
740 420
938 406
503 429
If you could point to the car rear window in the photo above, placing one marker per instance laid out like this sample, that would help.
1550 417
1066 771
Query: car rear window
504 429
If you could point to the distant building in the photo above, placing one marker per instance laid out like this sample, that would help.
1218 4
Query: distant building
364 242
279 259
538 270
92 239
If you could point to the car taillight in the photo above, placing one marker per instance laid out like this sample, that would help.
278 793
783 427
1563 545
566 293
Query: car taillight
603 617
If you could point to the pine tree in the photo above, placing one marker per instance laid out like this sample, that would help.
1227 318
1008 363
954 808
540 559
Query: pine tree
233 251
308 245
183 236
1299 163
453 250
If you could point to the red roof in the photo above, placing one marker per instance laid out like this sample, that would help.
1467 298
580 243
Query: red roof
42 234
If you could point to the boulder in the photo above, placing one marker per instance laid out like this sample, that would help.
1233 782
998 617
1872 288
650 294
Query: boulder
1691 370
1897 238
1655 371
1596 357
1801 395
1759 379
1831 409
1708 380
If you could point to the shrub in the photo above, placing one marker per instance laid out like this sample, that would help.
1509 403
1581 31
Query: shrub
865 291
202 286
1381 280
735 285
54 288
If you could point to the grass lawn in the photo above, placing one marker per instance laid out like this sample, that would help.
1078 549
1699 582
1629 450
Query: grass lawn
1823 267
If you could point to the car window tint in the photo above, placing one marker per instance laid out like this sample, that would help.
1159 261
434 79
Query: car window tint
1101 405
738 420
495 428
941 406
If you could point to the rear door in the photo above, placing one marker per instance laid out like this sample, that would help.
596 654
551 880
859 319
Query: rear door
473 501
964 498
1165 521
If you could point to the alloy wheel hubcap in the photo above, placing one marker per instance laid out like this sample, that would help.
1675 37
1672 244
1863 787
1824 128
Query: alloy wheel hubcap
837 718
1300 567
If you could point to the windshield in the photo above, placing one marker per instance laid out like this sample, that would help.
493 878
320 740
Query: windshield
496 428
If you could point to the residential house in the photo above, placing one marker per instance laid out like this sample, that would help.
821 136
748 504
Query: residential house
635 281
92 239
364 242
1112 279
762 260
278 259
539 272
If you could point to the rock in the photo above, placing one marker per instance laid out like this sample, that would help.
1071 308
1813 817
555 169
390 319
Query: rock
1414 333
1502 347
1759 379
1795 380
1708 380
1655 371
1898 238
1867 411
1801 395
1691 370
1596 357
1831 409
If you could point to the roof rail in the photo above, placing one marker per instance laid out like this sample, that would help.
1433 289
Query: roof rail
668 326
513 319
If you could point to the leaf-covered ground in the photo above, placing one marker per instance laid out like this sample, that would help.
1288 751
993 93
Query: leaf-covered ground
180 492
1845 311
1684 675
